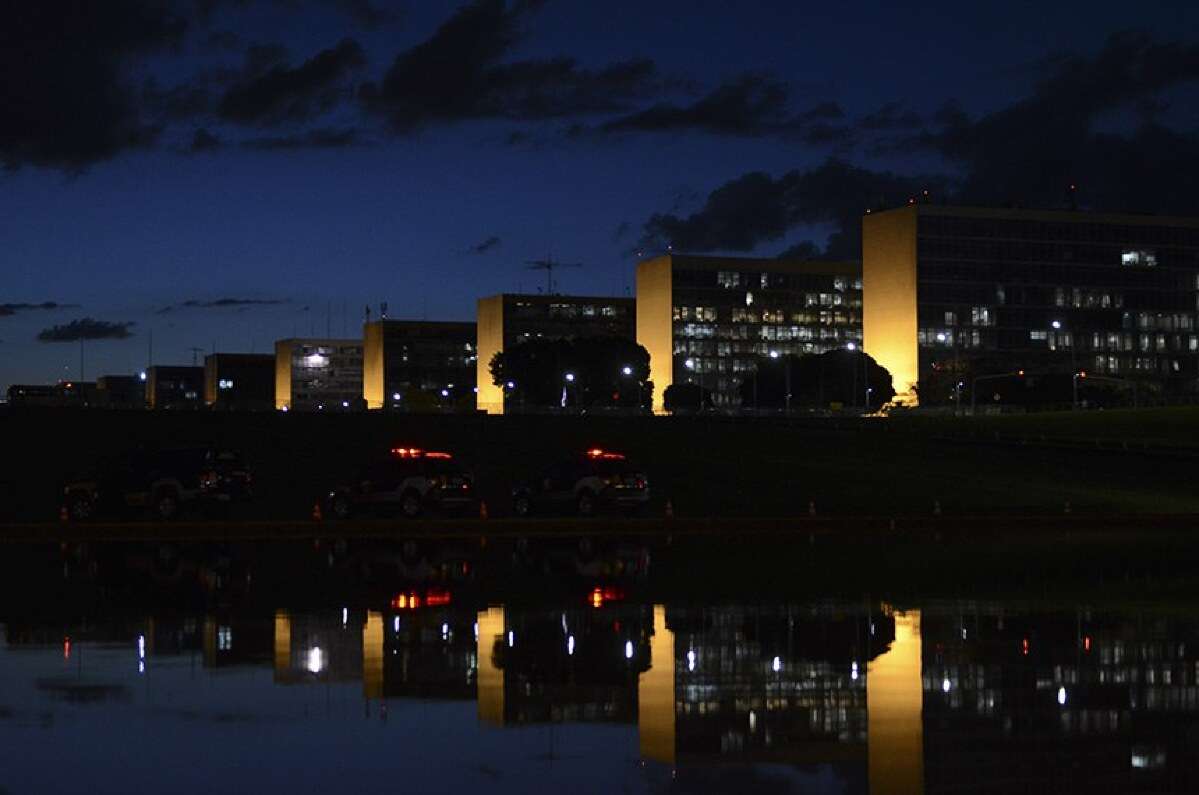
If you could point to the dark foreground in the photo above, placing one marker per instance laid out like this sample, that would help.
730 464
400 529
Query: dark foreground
748 661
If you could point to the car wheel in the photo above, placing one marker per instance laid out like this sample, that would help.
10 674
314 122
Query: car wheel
80 508
340 507
166 506
586 504
521 505
410 504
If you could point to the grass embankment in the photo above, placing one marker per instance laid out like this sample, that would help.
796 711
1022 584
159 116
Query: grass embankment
704 466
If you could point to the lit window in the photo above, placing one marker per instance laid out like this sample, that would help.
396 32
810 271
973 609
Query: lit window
225 383
1138 258
1038 335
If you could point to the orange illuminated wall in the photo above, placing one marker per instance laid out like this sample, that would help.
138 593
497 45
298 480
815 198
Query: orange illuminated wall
372 365
282 644
895 712
655 322
282 374
656 697
490 679
372 655
889 296
490 329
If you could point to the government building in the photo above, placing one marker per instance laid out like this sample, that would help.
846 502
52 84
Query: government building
1039 291
709 320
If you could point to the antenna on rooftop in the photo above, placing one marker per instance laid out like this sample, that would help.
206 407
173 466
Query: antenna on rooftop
549 265
195 352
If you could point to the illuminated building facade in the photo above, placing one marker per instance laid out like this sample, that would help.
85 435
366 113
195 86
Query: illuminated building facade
170 387
1034 290
708 320
318 374
241 381
416 356
507 320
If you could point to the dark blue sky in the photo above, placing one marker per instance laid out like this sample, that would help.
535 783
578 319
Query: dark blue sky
284 158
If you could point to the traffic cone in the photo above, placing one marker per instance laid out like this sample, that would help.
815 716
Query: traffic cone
316 511
482 509
669 509
936 507
811 507
1067 506
63 515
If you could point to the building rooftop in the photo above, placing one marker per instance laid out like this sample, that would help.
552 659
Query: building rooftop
1060 215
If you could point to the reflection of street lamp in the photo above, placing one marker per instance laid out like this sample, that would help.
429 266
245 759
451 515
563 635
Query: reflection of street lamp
569 378
957 384
787 380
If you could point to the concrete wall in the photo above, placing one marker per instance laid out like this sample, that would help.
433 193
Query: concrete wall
373 375
889 296
490 335
654 322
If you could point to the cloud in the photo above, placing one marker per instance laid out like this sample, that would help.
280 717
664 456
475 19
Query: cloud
283 94
891 116
364 12
204 141
86 329
7 310
222 303
757 208
1030 151
459 73
485 246
67 100
325 138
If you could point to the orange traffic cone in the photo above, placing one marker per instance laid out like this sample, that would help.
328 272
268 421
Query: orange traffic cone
669 509
482 509
316 511
63 516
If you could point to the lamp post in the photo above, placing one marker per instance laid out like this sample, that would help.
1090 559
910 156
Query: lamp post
693 366
1057 326
569 378
1074 384
786 381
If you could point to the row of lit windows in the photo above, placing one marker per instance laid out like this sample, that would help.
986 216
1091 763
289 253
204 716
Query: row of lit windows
827 330
733 280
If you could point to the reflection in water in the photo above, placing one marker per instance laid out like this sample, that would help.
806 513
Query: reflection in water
829 697
894 703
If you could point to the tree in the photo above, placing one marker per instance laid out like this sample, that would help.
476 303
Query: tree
587 371
686 398
837 376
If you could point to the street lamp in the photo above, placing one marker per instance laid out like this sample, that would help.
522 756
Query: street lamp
1057 326
787 382
627 371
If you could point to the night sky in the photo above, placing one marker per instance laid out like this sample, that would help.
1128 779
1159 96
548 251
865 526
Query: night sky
229 172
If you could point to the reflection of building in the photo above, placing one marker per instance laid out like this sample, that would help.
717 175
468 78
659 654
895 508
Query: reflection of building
242 381
169 387
311 374
1030 289
403 356
707 320
895 704
507 320
65 393
323 646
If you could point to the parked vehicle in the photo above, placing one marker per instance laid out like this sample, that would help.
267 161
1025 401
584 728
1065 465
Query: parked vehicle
585 484
164 483
408 481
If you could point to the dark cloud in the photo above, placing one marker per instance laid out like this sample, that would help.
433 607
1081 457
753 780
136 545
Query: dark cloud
7 310
804 249
178 102
364 12
752 105
222 303
757 208
283 94
484 246
204 141
66 100
222 40
86 329
327 138
891 116
1028 152
459 73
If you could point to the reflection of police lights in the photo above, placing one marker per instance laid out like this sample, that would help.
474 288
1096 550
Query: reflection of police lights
691 659
141 654
316 660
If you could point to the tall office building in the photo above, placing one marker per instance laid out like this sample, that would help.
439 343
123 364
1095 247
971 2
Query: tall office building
708 320
241 381
174 387
422 356
996 290
318 374
507 320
